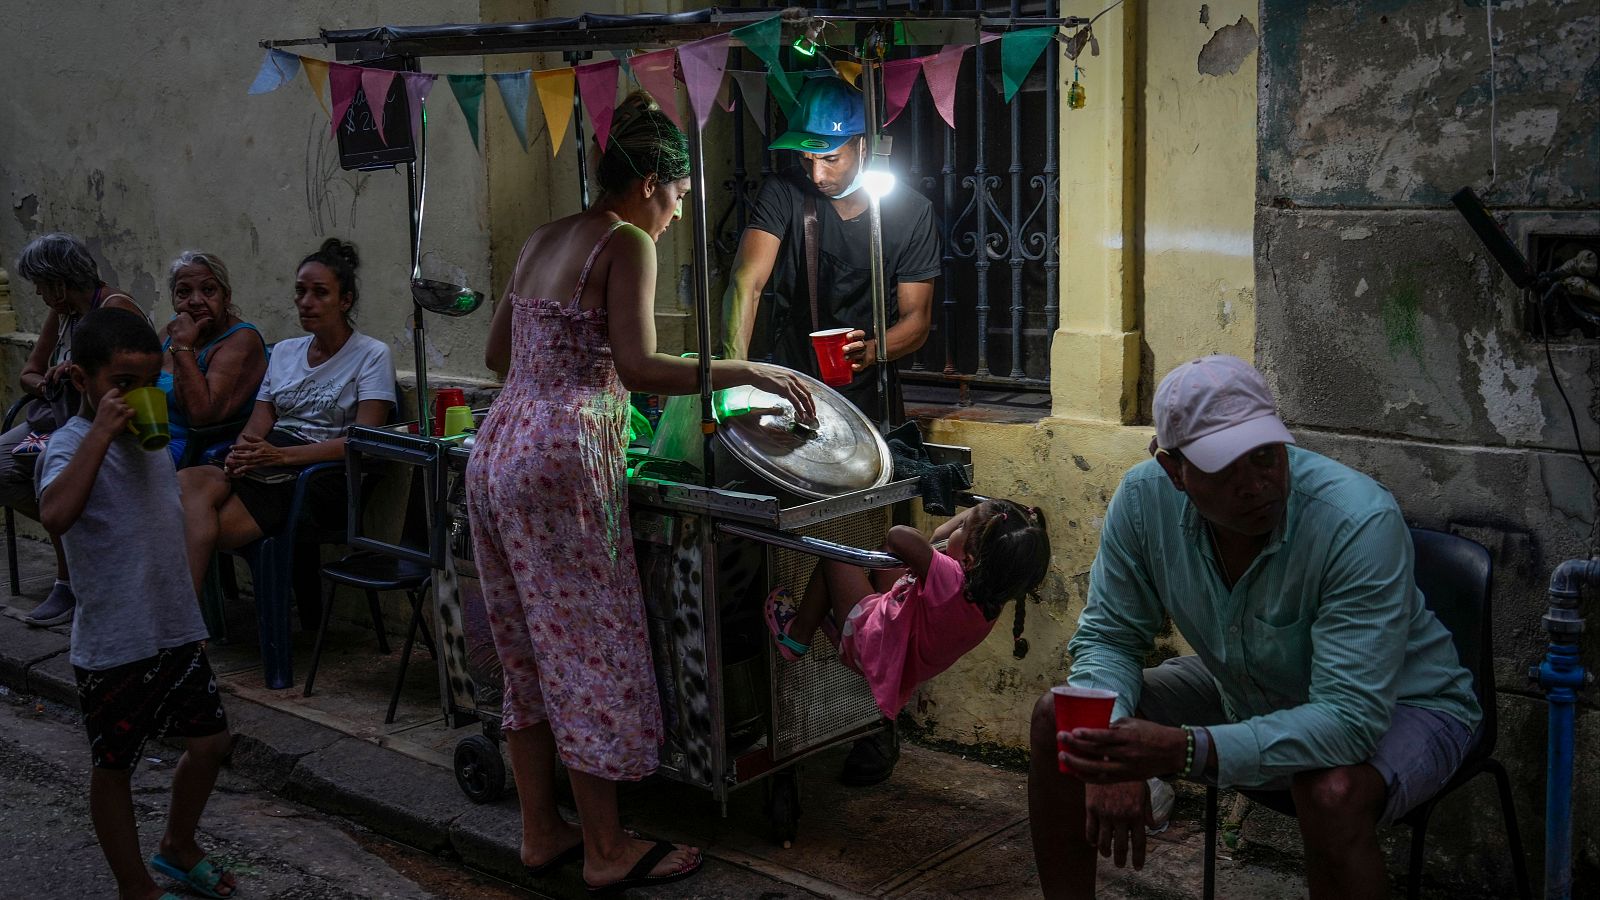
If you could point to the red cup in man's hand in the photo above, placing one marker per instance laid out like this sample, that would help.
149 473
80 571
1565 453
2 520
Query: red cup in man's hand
831 362
1081 708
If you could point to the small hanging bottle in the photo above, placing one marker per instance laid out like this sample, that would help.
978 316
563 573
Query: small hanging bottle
1076 95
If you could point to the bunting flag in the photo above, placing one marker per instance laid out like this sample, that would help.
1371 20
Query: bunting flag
343 80
753 88
418 86
725 92
514 94
703 63
555 89
597 85
622 57
785 88
469 96
899 76
277 69
317 76
941 70
764 39
375 85
1019 50
848 70
654 72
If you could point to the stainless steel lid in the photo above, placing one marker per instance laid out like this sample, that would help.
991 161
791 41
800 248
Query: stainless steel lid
844 453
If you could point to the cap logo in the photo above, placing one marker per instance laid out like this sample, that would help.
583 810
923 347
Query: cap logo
814 143
838 128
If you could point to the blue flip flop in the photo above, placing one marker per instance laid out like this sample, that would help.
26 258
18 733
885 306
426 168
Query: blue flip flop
202 879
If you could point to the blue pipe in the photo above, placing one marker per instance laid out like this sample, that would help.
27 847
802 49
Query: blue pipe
1561 676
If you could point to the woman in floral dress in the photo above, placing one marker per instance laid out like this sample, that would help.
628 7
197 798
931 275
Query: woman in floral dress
547 499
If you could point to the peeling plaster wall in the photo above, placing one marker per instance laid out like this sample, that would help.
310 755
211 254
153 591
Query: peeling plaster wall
1393 341
128 124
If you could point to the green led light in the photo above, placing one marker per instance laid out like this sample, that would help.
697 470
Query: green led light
805 46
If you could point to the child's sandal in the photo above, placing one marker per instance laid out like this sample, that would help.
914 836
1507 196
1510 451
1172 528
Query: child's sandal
780 612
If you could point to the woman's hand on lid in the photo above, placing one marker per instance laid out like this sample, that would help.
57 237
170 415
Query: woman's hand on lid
788 385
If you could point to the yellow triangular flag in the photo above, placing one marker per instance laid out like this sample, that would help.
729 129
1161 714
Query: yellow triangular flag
317 73
849 71
555 88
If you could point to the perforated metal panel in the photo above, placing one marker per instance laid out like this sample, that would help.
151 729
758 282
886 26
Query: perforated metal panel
816 699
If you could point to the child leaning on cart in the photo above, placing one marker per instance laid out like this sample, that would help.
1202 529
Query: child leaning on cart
137 635
903 626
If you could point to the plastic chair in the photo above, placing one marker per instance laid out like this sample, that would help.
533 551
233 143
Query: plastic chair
271 561
1454 575
206 440
374 572
11 514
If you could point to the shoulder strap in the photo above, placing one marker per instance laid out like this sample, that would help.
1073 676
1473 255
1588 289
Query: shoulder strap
583 277
811 257
200 357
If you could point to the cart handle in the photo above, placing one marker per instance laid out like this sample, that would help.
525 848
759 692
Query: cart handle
867 559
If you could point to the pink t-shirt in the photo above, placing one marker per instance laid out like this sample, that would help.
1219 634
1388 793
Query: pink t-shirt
899 639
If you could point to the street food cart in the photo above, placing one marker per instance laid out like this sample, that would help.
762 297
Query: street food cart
714 530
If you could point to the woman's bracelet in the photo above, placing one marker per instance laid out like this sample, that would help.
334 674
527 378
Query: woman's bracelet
1188 752
176 349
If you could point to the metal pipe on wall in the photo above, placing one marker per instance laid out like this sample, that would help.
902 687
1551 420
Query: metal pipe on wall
1561 675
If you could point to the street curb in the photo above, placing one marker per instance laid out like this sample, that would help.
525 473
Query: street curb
35 661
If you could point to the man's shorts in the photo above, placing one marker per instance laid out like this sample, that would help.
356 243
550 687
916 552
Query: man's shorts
171 693
1416 757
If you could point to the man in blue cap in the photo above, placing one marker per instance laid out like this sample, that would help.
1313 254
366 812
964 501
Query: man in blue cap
828 132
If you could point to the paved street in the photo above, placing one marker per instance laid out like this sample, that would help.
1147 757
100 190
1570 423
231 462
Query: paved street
278 849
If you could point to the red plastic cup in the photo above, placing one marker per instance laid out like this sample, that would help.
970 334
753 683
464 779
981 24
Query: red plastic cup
829 347
443 399
1081 708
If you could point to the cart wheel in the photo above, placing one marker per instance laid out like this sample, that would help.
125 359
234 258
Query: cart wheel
480 771
783 807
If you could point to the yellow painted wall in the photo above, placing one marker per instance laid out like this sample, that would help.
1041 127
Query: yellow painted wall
1158 191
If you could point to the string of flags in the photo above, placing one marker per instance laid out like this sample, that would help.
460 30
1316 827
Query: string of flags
701 67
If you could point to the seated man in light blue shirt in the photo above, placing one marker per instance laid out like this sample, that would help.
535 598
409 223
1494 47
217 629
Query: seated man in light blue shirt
1316 666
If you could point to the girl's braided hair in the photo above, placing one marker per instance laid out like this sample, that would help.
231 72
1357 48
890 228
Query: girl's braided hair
1010 553
642 140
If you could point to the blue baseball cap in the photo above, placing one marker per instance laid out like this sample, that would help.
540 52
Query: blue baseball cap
829 114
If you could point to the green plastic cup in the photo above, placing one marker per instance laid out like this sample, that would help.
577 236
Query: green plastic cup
149 423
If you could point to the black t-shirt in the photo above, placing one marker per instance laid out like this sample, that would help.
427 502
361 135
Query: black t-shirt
844 272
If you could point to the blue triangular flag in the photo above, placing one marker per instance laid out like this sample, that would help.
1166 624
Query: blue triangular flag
514 93
277 67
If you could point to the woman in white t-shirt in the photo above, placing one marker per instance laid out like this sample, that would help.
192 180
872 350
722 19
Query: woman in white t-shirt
316 387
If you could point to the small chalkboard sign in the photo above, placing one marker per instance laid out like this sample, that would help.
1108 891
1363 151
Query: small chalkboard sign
360 146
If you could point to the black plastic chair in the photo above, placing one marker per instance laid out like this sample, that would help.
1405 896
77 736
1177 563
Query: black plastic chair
205 440
11 514
374 572
1454 574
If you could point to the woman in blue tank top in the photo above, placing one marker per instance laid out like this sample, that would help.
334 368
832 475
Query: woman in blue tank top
214 361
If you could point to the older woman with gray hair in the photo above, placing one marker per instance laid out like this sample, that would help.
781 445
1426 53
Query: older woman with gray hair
213 360
67 279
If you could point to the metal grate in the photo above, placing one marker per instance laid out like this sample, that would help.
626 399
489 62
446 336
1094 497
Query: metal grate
816 699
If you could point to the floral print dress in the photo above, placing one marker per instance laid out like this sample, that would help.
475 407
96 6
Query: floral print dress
548 503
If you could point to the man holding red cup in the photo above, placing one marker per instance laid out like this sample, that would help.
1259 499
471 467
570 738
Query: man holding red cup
1317 668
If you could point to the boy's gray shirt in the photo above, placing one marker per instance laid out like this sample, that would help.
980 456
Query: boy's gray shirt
126 553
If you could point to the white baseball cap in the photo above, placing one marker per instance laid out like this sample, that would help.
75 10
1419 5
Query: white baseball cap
1214 410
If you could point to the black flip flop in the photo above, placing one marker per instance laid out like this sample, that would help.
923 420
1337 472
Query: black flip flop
639 875
575 852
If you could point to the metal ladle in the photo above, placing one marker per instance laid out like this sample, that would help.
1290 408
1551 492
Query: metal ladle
440 297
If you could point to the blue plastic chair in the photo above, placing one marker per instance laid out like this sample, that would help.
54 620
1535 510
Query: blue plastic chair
272 566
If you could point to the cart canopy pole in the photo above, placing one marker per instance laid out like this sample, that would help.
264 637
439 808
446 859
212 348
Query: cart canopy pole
572 58
871 57
702 298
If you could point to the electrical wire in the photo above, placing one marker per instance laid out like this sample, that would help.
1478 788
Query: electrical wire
1494 153
1549 359
1104 11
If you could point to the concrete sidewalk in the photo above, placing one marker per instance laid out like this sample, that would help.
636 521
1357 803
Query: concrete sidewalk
943 826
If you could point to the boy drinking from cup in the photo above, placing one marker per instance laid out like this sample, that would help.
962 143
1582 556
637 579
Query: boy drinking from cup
137 635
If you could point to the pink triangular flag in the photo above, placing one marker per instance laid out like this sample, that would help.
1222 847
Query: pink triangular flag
703 62
941 70
597 85
898 78
375 84
418 84
654 72
343 80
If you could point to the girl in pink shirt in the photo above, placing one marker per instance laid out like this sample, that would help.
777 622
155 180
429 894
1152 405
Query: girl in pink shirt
904 626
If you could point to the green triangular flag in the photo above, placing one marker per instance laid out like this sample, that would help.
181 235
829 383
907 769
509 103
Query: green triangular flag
1019 50
785 88
763 39
469 94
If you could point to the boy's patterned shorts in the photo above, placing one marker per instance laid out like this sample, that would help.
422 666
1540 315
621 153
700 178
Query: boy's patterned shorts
171 693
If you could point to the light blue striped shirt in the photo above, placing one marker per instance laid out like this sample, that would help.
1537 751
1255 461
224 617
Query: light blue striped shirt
1313 647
